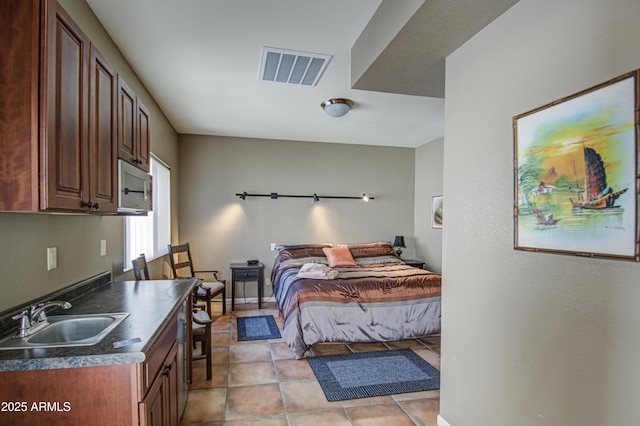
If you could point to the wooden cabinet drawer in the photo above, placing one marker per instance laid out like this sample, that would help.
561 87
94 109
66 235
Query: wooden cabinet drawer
246 275
152 365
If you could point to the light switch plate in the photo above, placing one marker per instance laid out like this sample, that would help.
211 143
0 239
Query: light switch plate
52 258
273 246
103 247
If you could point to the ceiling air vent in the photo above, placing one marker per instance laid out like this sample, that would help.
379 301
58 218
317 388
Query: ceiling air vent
292 67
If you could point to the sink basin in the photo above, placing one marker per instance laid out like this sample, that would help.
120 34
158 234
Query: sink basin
67 330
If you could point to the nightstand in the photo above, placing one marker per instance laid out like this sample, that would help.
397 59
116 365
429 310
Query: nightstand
414 263
246 272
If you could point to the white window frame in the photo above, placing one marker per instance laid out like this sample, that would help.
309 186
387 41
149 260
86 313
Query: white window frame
152 233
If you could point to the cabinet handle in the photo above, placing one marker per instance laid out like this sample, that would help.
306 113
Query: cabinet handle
92 205
167 369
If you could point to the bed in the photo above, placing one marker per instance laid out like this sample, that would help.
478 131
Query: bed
352 293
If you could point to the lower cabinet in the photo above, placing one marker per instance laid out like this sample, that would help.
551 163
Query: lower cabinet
125 394
160 406
158 390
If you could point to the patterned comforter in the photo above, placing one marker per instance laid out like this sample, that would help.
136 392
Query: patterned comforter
367 303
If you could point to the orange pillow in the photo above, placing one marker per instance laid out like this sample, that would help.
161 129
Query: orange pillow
339 256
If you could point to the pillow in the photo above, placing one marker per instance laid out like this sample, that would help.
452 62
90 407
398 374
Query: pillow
300 251
370 250
339 256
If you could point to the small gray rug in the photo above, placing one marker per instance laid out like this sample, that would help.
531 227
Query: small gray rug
367 374
257 328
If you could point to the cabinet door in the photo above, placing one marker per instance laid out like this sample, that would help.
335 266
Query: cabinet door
103 166
19 134
143 136
133 128
65 140
160 405
153 409
126 123
172 387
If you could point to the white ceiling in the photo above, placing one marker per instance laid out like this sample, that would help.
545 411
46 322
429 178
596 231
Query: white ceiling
200 60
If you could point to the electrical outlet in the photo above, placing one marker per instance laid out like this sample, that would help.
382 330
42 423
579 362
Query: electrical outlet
52 258
273 246
103 247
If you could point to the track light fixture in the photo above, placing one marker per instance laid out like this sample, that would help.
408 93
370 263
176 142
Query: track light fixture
315 197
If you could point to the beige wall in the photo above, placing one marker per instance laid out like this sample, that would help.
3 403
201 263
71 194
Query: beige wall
25 237
531 338
224 229
428 181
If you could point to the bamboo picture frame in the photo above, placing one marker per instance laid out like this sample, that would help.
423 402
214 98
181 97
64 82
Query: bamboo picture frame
576 173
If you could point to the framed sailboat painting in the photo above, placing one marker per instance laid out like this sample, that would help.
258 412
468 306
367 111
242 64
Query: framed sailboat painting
576 173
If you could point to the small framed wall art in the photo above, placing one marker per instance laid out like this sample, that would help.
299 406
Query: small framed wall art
576 173
436 211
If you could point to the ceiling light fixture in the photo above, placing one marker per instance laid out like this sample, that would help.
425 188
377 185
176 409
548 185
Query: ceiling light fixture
337 107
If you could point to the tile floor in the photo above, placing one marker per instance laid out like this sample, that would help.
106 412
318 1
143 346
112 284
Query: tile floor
259 383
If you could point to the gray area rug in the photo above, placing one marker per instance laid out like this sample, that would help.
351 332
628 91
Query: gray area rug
367 374
257 328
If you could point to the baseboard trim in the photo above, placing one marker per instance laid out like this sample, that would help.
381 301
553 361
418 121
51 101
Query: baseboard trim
442 421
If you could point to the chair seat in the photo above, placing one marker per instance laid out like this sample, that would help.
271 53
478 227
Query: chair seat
201 329
201 316
215 287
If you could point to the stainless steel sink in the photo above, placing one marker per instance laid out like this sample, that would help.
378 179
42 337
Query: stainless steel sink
67 330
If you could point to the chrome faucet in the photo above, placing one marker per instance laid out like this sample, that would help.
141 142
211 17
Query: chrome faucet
34 318
37 312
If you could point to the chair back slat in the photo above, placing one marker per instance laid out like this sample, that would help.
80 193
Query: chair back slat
140 267
177 260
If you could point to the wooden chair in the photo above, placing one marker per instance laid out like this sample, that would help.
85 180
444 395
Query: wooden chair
140 267
200 319
201 332
182 266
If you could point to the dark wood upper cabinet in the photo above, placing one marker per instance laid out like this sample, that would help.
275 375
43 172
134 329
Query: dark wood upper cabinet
126 123
133 128
144 134
19 105
64 146
65 119
103 134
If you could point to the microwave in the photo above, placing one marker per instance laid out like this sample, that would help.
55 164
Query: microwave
134 189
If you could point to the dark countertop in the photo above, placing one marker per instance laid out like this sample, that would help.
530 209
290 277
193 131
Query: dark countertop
151 305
